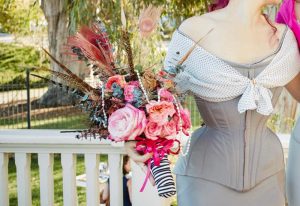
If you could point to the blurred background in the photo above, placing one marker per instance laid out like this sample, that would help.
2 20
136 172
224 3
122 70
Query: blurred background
27 26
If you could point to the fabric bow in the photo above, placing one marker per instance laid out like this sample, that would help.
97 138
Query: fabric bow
256 97
159 148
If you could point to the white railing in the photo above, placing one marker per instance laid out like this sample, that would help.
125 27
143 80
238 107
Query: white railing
48 142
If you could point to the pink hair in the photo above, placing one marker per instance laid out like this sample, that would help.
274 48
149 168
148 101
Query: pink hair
219 4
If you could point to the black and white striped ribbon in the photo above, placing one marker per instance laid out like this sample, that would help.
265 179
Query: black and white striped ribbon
163 178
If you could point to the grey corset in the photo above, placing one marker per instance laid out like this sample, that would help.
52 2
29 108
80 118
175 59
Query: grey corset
233 149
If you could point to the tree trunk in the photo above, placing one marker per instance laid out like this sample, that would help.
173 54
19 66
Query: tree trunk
55 12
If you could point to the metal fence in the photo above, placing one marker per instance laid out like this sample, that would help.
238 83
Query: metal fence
21 107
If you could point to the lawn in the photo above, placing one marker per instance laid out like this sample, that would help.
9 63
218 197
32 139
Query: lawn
59 122
35 182
57 172
73 122
53 123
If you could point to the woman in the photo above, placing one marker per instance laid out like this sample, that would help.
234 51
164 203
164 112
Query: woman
236 73
289 13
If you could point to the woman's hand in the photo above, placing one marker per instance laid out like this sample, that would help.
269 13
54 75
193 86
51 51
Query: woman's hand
137 158
134 155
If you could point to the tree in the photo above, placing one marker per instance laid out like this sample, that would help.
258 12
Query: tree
16 16
57 19
64 17
57 15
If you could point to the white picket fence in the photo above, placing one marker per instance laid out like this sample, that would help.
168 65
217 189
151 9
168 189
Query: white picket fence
48 142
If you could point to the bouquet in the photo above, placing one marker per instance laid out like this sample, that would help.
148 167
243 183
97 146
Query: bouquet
128 102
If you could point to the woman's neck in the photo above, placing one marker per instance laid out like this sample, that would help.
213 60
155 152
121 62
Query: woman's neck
246 12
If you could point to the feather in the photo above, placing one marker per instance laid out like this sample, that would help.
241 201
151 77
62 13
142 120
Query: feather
71 74
67 79
148 20
94 44
100 29
128 49
62 86
91 52
182 60
123 17
73 89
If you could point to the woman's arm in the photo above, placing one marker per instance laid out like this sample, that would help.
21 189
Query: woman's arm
293 165
294 87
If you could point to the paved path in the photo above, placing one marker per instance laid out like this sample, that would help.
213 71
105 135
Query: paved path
21 95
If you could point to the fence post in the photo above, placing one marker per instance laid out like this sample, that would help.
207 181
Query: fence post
28 98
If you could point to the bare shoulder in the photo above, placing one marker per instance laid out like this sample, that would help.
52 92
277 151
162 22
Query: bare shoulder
197 26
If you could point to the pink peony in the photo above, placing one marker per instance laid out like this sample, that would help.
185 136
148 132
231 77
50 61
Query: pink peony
160 112
134 83
186 121
169 130
153 130
119 79
128 93
126 123
165 95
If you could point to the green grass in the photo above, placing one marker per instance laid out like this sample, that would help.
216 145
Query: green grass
71 122
13 60
35 182
57 173
81 120
195 116
64 123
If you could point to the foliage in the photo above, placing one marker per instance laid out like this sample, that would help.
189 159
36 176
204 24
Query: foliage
14 58
146 52
17 18
109 11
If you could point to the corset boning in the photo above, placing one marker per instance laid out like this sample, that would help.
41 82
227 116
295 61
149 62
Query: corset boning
234 149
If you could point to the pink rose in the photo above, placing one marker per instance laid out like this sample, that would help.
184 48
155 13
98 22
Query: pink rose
165 95
128 92
160 112
153 130
126 123
169 130
119 79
